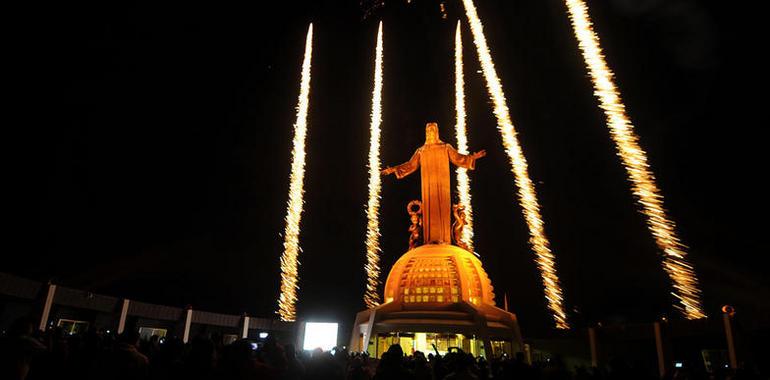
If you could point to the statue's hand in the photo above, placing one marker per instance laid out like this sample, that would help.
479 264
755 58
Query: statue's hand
480 154
388 171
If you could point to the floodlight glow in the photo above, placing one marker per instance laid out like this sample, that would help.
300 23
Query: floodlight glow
320 335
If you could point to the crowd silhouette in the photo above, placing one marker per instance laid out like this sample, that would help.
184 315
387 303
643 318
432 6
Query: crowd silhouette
27 354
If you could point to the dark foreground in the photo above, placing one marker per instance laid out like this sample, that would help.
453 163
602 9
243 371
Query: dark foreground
26 355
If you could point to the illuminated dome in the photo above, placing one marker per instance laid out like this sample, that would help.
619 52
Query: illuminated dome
437 296
437 276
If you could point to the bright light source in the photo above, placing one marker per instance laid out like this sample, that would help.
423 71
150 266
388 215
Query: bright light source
372 267
463 182
545 258
263 335
291 249
675 263
320 335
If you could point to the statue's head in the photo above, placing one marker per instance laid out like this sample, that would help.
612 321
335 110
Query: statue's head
431 133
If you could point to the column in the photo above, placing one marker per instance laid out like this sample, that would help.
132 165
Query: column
47 306
659 348
245 332
123 315
729 336
187 323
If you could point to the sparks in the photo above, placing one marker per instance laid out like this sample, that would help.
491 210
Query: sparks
463 182
289 263
371 296
643 186
526 190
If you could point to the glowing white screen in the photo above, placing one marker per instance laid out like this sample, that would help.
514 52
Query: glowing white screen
323 335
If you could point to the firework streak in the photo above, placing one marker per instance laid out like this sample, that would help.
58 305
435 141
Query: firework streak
634 159
526 190
372 267
463 182
289 262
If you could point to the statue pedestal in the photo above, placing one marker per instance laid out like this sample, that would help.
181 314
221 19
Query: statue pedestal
437 294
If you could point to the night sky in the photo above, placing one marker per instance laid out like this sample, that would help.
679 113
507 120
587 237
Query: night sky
149 148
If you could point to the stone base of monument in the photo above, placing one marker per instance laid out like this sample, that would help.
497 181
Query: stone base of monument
437 296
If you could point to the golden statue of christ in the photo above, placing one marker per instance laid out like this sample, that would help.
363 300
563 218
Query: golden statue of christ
433 158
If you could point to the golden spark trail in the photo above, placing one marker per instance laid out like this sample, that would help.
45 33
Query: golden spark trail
463 182
675 263
372 296
289 263
526 190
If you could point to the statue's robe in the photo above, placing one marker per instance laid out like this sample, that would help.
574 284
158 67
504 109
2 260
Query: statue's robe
433 159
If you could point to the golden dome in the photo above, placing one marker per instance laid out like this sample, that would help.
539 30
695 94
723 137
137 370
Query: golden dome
438 275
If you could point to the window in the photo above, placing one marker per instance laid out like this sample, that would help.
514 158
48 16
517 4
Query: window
229 338
72 327
148 332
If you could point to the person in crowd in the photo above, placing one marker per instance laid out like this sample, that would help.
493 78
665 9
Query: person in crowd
322 366
26 354
462 365
19 349
391 365
358 370
125 362
201 361
295 370
420 367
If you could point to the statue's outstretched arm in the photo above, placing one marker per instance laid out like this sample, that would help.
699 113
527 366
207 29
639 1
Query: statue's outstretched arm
406 168
467 161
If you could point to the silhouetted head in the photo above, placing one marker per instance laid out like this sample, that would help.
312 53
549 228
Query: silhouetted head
431 133
396 351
